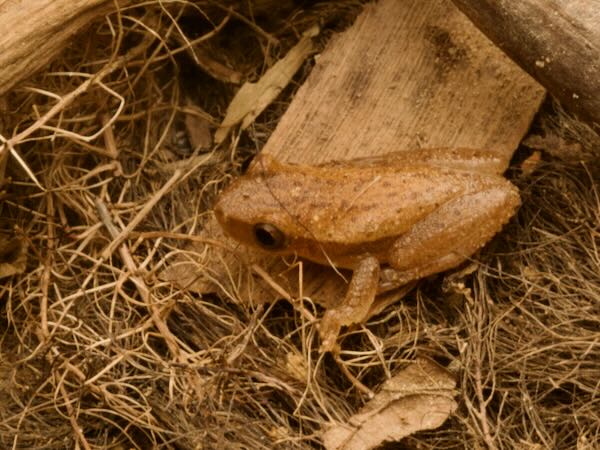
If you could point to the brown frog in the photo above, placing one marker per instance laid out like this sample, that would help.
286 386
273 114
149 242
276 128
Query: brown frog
414 213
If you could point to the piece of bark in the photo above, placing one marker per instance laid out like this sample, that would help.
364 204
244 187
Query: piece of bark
33 32
407 74
556 41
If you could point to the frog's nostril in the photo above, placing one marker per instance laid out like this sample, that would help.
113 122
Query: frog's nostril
268 236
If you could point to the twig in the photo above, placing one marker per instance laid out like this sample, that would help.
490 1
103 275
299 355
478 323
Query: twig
73 420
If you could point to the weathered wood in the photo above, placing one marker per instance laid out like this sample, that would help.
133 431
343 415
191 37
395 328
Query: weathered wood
556 41
33 32
410 73
407 74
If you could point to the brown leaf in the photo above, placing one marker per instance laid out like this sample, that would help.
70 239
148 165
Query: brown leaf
253 98
13 255
197 127
417 398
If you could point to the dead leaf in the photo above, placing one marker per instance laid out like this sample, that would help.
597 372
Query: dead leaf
13 255
197 126
253 98
207 56
420 397
531 163
205 60
557 146
296 367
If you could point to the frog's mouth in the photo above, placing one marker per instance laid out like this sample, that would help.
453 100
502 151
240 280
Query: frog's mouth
339 254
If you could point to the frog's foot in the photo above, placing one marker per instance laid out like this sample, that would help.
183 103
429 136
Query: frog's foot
452 233
355 306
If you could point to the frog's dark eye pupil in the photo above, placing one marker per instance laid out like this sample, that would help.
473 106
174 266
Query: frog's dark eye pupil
269 236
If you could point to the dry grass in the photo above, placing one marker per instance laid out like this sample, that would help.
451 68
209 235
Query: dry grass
98 352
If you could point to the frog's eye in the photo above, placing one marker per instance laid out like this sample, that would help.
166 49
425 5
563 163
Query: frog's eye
268 236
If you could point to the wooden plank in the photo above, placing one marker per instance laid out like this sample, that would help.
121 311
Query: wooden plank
407 74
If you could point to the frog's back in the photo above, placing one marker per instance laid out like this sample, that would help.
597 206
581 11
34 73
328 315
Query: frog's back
357 204
341 210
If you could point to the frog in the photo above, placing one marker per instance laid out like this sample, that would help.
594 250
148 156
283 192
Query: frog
391 219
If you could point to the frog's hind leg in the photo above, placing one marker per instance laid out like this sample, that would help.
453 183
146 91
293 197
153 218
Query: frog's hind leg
452 233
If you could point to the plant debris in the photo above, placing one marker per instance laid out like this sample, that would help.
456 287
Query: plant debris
417 398
98 351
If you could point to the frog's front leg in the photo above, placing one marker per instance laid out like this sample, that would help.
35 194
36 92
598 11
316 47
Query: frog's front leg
452 233
355 306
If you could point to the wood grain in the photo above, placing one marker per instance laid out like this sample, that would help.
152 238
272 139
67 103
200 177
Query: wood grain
556 41
407 74
34 32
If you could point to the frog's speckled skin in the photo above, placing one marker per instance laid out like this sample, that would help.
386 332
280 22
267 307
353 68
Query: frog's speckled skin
418 212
